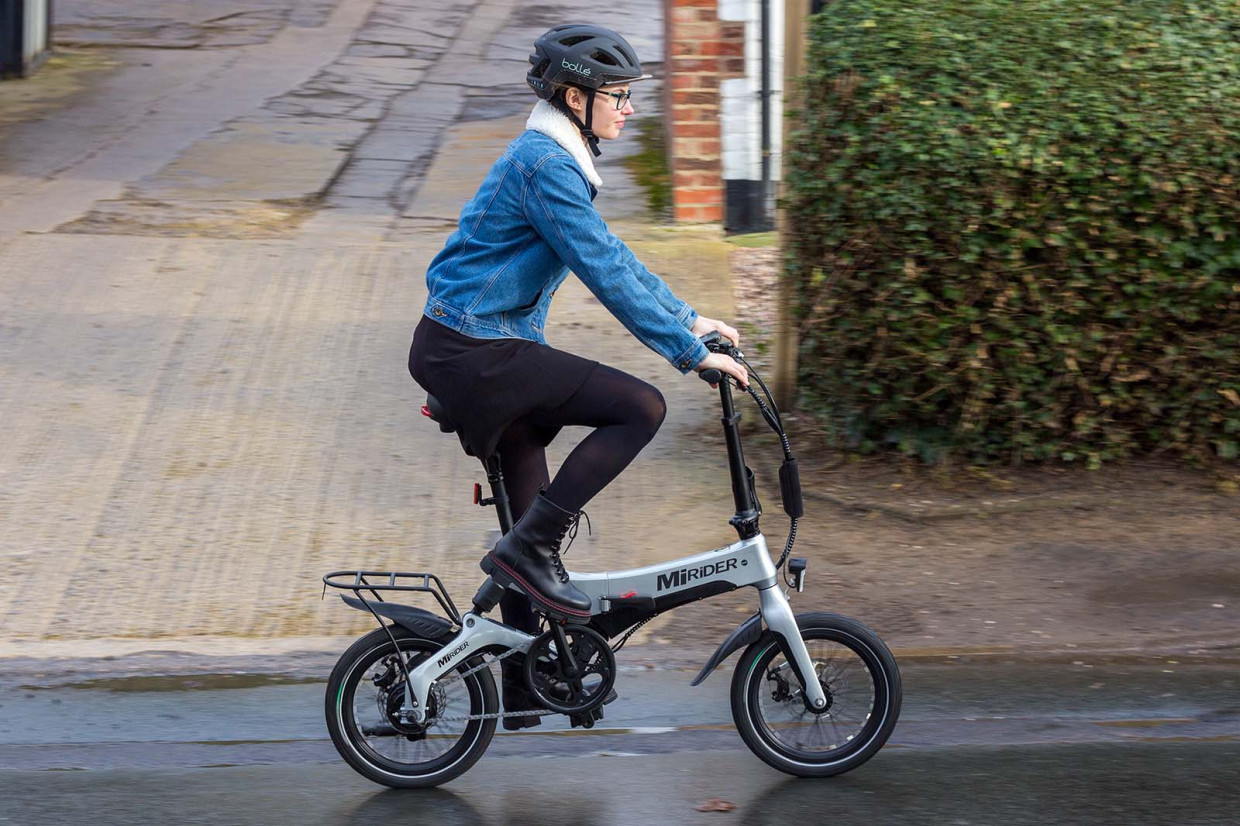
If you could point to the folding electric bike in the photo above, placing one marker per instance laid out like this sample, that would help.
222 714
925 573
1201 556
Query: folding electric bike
414 703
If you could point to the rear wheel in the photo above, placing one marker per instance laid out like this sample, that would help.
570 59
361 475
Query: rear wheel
365 695
859 677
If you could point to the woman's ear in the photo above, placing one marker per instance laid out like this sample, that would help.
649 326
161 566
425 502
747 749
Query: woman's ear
574 99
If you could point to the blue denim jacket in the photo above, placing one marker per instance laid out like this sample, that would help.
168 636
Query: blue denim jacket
532 220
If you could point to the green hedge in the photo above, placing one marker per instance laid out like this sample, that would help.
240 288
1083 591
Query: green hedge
1015 227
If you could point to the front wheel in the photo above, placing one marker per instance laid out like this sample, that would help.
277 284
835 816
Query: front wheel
859 677
365 694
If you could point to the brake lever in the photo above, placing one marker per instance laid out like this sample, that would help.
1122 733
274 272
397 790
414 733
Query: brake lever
716 343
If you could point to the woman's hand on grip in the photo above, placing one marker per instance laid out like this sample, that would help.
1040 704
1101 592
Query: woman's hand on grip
726 364
705 325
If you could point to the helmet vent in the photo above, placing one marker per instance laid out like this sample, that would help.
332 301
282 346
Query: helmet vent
605 58
575 39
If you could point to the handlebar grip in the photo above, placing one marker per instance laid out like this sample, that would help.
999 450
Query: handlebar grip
711 376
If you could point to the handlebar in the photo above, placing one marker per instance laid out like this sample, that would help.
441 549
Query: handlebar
789 476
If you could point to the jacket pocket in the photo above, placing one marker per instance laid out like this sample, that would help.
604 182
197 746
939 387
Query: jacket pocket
533 303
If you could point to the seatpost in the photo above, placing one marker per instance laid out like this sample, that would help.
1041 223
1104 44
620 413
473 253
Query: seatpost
746 518
499 494
490 592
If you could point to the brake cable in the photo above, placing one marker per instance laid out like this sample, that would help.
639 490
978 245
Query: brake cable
776 422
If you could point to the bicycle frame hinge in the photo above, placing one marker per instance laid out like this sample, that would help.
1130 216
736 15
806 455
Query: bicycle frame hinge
746 524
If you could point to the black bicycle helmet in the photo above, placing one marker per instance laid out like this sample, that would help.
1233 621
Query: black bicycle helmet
588 57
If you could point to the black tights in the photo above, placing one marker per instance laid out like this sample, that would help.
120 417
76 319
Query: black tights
625 411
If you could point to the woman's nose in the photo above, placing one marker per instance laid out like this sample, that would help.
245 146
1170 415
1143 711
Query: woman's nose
628 108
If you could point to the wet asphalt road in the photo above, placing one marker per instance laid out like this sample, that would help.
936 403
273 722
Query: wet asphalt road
1173 783
978 742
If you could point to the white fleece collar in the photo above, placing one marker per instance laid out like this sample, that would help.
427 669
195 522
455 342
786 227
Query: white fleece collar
555 124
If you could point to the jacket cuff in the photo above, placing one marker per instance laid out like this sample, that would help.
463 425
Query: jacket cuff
691 358
686 315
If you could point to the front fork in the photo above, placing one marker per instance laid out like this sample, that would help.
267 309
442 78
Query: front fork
778 616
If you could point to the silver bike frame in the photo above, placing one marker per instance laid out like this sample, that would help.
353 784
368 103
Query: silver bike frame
743 563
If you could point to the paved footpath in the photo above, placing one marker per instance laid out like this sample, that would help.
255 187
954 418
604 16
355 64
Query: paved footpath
211 262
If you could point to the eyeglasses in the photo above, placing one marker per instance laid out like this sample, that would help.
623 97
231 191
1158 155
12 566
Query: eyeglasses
622 98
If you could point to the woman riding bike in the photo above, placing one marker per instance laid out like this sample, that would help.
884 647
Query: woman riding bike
479 347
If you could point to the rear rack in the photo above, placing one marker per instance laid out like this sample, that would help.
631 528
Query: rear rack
358 581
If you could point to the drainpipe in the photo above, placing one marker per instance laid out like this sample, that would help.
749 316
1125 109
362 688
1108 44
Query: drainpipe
768 188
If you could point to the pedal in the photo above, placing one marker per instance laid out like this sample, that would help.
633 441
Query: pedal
586 720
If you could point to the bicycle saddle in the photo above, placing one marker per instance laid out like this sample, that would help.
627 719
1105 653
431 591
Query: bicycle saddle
434 411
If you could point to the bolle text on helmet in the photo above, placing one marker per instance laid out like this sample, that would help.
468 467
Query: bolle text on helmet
576 67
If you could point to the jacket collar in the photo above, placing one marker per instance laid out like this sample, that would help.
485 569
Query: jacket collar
555 124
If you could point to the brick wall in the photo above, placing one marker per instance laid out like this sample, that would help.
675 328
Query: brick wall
701 52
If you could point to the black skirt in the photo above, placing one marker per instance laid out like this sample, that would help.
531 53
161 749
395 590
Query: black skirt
487 384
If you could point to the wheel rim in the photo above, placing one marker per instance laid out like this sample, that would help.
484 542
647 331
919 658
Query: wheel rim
373 690
856 694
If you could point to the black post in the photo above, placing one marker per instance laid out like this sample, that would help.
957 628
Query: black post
12 35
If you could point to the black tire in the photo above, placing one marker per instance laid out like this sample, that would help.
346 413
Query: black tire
362 743
870 695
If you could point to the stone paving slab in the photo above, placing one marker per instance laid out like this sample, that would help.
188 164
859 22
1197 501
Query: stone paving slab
419 64
173 24
130 122
291 149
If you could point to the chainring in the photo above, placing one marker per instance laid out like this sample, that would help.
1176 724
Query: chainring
546 670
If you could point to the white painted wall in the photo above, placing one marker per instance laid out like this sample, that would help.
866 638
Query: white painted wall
34 41
741 98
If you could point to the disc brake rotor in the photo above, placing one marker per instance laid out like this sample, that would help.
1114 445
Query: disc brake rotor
390 696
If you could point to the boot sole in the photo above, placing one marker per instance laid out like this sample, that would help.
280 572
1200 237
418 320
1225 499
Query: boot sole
518 723
509 578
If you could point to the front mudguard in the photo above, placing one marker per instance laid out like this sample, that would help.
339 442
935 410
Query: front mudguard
747 633
417 620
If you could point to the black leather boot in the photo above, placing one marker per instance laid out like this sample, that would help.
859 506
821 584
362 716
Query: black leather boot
516 696
527 558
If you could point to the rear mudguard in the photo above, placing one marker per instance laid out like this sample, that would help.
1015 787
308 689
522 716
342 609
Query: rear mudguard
419 621
746 633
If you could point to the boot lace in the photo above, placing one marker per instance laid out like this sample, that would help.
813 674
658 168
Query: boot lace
570 530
